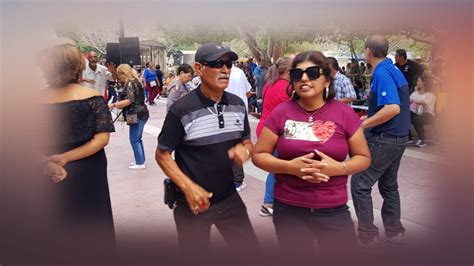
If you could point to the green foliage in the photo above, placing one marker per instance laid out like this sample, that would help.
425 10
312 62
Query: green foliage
190 37
84 47
239 47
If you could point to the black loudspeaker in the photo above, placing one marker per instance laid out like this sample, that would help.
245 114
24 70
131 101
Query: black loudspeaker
130 50
113 53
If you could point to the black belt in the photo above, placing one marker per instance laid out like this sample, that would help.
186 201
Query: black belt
387 135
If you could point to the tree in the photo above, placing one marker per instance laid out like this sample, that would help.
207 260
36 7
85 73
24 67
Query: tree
90 37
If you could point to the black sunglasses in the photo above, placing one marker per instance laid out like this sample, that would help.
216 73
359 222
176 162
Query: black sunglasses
296 74
217 63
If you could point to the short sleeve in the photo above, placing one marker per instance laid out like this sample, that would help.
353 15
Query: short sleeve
130 90
172 133
386 89
273 121
103 118
246 133
352 122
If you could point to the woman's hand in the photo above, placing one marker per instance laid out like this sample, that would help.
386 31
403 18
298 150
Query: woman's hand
332 167
197 198
55 171
304 165
59 159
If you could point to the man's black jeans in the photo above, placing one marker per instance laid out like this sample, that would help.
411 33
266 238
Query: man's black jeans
386 151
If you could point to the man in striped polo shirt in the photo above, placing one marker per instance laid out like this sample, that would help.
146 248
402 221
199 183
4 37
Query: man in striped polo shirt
208 130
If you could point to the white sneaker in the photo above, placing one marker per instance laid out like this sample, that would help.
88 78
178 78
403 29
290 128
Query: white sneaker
137 167
371 244
133 163
420 143
241 187
399 239
265 211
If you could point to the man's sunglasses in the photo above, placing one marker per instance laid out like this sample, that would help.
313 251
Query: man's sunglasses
217 64
296 74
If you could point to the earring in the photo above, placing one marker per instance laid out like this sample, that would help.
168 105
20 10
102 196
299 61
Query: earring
327 92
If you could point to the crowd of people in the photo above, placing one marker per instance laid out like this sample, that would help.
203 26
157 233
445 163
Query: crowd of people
310 141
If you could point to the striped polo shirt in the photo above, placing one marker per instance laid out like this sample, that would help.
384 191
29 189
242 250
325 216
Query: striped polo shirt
201 132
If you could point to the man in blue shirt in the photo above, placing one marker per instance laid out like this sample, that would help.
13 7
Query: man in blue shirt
387 126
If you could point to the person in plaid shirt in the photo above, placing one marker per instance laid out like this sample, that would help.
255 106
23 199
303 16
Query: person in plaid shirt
343 86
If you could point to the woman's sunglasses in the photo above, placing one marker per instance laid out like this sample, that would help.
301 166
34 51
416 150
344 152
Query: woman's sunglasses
296 74
217 64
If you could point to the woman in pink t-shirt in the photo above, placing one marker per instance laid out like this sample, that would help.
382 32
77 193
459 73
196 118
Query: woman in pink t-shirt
313 135
274 93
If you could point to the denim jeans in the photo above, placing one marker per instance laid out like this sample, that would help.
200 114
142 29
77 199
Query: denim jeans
231 220
297 228
386 152
136 132
270 185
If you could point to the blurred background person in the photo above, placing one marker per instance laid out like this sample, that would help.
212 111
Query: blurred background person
135 111
151 83
422 108
179 87
95 76
275 92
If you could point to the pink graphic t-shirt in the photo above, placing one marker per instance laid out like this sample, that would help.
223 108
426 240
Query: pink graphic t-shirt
327 131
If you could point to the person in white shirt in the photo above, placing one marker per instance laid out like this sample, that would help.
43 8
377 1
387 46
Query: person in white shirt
240 86
95 76
422 108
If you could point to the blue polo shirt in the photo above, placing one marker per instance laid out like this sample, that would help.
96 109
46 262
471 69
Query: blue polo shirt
389 86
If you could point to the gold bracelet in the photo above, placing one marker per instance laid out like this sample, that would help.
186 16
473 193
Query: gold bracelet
344 166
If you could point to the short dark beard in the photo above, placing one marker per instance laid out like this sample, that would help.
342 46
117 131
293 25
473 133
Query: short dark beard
93 67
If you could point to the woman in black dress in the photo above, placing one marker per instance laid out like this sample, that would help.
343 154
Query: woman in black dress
80 124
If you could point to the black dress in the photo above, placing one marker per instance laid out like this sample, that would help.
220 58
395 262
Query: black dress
82 201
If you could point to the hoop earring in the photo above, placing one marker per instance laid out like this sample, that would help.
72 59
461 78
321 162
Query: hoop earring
327 93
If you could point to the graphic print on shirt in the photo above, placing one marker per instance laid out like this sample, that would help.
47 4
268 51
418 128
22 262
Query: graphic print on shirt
310 131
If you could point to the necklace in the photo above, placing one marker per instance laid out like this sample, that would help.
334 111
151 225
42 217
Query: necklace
312 114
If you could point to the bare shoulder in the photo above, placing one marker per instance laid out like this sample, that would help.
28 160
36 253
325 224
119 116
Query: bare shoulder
85 92
66 94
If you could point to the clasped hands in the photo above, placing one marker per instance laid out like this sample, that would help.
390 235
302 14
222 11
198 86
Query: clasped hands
54 167
315 171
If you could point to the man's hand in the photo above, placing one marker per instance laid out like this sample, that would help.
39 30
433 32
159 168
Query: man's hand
197 198
111 67
239 154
